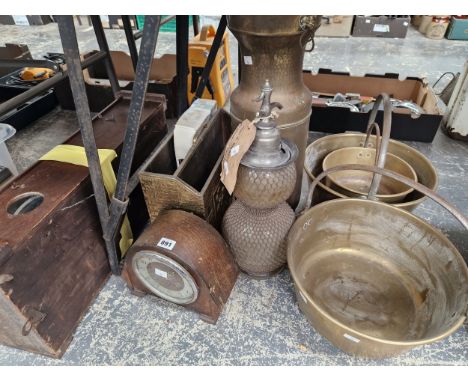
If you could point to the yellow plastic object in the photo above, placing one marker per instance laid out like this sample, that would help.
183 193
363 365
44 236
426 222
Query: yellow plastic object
36 74
221 81
76 155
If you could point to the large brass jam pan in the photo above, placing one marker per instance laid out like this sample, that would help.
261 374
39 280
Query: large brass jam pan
374 279
319 149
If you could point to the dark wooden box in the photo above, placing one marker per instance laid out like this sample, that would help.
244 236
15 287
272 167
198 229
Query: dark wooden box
52 259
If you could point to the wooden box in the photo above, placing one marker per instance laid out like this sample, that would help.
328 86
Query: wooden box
195 185
52 256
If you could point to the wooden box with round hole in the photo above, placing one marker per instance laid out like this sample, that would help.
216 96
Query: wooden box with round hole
182 259
53 260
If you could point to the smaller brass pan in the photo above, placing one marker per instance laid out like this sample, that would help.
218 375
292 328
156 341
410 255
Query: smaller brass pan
357 183
319 149
374 279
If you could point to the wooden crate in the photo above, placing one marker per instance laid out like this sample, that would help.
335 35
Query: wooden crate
52 259
194 186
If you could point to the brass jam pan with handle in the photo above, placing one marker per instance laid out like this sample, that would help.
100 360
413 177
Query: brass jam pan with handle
320 148
357 183
374 279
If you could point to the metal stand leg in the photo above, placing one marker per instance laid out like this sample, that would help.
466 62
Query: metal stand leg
182 31
130 40
196 25
211 57
75 73
110 217
119 201
103 46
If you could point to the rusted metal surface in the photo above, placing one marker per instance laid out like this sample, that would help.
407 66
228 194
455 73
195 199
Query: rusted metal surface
119 201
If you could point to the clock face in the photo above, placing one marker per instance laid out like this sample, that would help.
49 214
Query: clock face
165 277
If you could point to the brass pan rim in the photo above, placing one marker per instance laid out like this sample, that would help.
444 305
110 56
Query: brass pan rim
393 142
382 197
298 284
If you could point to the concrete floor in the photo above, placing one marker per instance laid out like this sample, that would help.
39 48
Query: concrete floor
261 323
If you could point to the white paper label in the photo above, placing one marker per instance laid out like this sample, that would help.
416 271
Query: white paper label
381 28
161 273
166 243
351 338
367 21
248 60
235 150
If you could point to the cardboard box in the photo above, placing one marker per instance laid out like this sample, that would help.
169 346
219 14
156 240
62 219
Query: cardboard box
381 26
13 51
458 29
335 26
330 119
163 76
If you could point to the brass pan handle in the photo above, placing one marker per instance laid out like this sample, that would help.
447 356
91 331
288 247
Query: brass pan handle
375 126
400 178
382 140
382 144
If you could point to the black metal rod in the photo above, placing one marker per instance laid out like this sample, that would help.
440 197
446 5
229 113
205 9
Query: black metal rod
148 46
77 84
15 63
196 25
103 46
91 60
182 32
137 35
20 99
45 85
130 40
145 59
211 57
166 20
